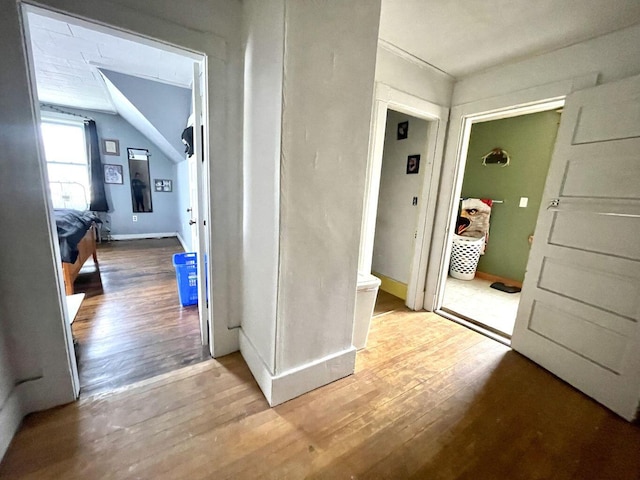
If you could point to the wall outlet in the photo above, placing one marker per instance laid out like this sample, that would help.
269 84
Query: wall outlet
135 218
524 201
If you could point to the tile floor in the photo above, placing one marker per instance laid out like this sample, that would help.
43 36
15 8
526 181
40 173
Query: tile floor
476 300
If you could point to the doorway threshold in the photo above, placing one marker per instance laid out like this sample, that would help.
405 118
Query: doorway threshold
476 326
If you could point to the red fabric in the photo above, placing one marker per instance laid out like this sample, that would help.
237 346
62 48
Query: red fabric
487 201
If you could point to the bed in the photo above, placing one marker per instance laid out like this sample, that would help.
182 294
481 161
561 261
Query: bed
77 238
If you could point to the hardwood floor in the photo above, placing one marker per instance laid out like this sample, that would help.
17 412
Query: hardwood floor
387 303
429 400
132 326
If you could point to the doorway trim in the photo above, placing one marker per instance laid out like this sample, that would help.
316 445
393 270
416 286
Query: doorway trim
387 97
533 100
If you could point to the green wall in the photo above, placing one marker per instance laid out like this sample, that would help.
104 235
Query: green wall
529 139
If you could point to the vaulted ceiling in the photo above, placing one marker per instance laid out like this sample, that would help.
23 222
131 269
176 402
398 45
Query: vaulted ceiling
460 37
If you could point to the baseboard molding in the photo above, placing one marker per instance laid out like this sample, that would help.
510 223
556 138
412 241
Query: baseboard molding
140 236
394 287
280 388
10 418
182 242
496 278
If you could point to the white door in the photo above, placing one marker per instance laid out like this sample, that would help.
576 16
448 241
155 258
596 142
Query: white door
579 314
198 210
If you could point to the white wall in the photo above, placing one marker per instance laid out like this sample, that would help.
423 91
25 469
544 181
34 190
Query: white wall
35 332
308 98
263 64
328 93
397 216
414 77
613 57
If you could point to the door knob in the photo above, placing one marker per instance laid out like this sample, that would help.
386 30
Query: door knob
191 222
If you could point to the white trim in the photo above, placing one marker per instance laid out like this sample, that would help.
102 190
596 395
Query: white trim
10 417
182 242
139 236
387 97
531 100
280 388
409 57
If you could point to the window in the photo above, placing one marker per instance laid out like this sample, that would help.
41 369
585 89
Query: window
66 153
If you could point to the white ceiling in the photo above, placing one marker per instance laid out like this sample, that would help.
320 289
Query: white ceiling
460 37
67 57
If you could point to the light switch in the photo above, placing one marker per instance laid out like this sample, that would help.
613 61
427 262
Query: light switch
524 201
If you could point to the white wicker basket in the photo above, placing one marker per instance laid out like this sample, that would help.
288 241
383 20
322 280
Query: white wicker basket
465 254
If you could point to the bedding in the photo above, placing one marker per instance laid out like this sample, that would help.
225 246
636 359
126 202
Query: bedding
72 226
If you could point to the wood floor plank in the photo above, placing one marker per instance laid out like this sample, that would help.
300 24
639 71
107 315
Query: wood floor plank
131 325
429 399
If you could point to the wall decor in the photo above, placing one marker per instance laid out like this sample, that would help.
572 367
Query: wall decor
403 130
110 146
140 179
497 156
163 185
113 174
413 164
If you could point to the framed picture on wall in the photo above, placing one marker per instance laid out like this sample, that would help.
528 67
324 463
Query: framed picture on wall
413 164
163 185
403 130
113 174
110 146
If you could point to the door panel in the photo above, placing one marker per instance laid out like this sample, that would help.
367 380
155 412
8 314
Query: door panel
579 313
616 121
198 208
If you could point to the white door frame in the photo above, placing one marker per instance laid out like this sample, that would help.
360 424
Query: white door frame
533 100
25 7
386 98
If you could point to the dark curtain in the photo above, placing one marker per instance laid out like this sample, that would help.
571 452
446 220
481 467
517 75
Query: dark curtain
96 173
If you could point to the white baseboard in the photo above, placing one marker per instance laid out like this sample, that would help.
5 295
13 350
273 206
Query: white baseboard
280 388
139 236
10 418
182 242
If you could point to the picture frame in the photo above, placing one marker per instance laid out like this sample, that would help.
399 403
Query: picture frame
413 164
110 146
113 174
163 185
403 130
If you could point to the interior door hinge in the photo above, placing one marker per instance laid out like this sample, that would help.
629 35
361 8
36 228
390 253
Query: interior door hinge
554 203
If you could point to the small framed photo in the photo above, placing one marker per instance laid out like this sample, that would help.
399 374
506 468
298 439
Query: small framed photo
413 164
113 173
110 146
163 185
403 130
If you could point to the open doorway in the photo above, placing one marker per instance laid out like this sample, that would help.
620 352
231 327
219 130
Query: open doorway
411 119
112 110
484 182
504 176
401 180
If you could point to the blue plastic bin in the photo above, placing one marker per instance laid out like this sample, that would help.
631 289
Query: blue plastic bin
186 265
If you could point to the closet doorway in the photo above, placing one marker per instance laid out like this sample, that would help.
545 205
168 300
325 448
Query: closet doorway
503 178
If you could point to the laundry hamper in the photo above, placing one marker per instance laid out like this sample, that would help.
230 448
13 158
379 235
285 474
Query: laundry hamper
465 254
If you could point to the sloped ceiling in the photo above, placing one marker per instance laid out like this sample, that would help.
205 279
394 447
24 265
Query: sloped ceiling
161 110
463 37
67 57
